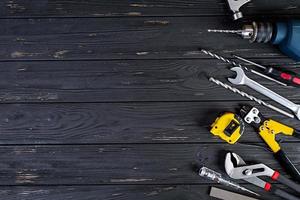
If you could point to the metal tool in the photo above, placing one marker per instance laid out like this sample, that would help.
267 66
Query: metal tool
235 6
227 195
286 76
242 79
236 168
219 57
217 177
268 129
229 127
283 34
244 94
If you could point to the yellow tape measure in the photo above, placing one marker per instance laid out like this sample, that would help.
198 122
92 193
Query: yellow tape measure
229 127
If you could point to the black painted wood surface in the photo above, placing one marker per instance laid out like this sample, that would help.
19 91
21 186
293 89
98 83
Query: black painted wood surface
111 100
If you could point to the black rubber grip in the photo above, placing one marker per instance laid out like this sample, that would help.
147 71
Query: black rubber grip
288 165
291 184
283 194
288 77
296 133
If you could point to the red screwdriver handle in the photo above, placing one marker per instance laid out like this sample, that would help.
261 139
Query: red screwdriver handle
288 77
294 79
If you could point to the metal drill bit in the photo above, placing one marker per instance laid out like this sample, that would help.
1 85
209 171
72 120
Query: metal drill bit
222 58
241 66
225 31
252 98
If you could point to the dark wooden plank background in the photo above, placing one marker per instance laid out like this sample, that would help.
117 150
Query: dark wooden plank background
110 99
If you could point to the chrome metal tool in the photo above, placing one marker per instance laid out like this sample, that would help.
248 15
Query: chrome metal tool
242 79
217 177
232 62
244 94
236 168
287 77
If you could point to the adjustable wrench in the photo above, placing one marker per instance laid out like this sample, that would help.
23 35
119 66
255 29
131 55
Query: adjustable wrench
242 79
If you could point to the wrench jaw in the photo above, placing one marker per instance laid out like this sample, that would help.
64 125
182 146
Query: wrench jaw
298 113
240 76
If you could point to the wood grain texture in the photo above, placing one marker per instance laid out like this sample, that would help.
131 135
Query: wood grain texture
119 8
125 80
123 164
116 192
122 38
120 123
110 99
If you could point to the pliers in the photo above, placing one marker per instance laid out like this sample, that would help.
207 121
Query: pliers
268 129
236 168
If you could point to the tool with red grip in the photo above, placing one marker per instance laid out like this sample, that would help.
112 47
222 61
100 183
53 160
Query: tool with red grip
285 76
236 168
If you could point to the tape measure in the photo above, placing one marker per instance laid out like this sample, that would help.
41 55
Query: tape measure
229 127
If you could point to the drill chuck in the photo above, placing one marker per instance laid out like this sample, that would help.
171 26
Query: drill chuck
257 32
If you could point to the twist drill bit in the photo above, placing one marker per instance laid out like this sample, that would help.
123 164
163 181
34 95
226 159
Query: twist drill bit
241 66
222 58
225 31
252 98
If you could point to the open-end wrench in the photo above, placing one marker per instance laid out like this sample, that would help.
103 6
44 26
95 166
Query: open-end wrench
242 79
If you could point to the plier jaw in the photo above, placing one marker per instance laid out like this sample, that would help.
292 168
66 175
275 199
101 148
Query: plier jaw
236 168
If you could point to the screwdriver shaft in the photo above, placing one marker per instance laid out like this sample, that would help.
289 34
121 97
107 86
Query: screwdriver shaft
250 62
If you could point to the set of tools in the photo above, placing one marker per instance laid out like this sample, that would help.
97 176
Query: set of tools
236 168
230 126
242 79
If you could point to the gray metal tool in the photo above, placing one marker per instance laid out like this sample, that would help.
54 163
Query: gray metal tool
242 79
217 177
235 6
244 94
219 57
236 168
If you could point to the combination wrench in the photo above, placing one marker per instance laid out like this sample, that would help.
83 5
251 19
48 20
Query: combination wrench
242 79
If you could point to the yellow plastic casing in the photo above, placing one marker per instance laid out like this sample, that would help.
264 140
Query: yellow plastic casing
221 123
268 131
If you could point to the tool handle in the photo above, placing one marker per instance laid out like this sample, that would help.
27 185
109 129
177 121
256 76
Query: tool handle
296 133
291 184
288 77
283 194
286 163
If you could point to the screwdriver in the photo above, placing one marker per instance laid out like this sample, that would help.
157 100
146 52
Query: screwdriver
288 77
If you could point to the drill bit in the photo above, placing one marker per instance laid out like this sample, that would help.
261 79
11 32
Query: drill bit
252 98
222 58
239 65
225 31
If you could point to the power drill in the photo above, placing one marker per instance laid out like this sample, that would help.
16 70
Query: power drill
284 34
